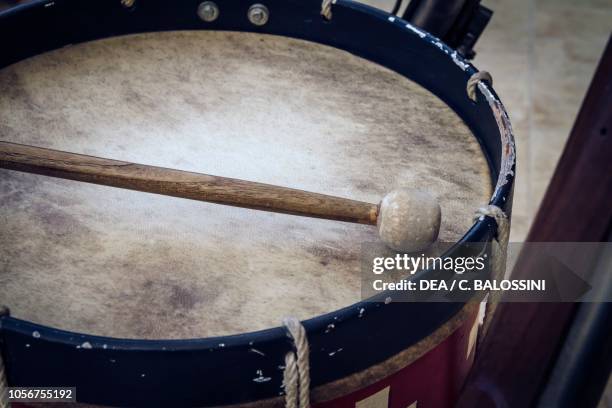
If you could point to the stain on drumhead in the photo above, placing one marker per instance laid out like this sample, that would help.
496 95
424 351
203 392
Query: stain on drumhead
257 107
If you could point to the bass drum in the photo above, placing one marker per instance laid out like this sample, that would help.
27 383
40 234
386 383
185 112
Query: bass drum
144 300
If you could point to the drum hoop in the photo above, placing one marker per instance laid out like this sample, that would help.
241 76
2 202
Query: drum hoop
57 356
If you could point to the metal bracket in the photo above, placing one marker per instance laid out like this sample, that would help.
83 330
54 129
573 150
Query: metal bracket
458 23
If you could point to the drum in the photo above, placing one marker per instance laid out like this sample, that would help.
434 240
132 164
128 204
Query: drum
145 300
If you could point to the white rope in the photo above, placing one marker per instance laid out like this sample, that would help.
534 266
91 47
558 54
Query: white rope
473 82
290 381
503 231
326 9
499 248
296 377
4 402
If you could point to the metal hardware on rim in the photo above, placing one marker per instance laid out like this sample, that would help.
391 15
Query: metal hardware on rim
258 14
459 23
208 11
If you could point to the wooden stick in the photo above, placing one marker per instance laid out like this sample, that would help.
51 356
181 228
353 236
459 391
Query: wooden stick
177 183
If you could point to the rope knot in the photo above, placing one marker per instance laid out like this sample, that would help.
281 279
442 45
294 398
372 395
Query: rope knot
499 216
473 82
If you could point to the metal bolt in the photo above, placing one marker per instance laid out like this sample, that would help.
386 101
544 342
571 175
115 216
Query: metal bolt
208 11
258 14
128 3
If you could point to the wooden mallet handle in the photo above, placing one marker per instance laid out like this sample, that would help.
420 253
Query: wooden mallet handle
177 183
407 220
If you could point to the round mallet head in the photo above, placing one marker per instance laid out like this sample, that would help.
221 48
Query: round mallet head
408 220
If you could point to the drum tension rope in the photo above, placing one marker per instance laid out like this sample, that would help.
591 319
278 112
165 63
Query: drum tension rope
326 7
4 402
499 247
483 76
296 377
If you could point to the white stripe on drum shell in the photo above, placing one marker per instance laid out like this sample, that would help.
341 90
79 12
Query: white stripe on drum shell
379 399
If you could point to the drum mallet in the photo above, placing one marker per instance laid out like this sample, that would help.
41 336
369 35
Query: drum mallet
407 220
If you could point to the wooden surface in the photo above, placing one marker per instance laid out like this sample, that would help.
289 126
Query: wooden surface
183 184
520 349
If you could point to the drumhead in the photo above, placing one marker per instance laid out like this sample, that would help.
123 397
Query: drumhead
251 106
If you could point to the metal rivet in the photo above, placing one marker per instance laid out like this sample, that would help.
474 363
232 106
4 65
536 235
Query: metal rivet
128 3
258 14
208 11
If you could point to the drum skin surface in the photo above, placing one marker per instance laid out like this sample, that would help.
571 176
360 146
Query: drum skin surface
264 108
